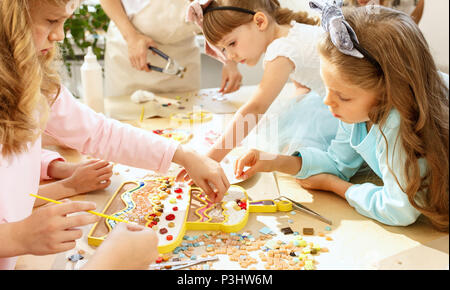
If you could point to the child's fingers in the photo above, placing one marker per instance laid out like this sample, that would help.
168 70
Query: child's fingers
242 162
250 172
181 176
219 188
223 85
64 247
226 182
205 187
99 164
104 184
74 206
80 220
231 86
71 235
105 170
104 177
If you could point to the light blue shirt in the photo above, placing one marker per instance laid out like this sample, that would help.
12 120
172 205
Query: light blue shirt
352 146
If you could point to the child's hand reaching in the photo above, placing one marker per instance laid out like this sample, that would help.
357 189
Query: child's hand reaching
203 171
127 247
257 161
90 176
79 178
231 78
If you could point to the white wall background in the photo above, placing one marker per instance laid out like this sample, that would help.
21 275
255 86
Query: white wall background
434 25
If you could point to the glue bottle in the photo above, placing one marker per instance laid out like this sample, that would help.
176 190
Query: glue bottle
92 82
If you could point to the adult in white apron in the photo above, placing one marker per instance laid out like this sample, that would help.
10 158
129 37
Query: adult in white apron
164 23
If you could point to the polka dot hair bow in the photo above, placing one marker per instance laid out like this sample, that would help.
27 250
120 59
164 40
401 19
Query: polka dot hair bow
342 34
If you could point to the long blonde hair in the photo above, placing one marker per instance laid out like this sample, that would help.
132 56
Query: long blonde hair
28 82
217 24
412 85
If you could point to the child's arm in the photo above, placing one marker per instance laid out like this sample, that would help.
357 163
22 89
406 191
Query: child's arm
50 159
267 162
85 177
387 204
93 134
276 74
340 160
259 161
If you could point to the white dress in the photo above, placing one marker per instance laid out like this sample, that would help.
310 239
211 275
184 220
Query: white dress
303 120
163 21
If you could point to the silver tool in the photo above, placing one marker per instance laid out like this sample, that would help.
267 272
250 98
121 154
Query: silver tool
171 68
301 207
182 264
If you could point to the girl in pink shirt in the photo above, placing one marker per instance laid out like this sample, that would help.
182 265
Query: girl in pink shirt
32 100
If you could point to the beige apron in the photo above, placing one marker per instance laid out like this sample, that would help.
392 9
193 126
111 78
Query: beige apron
164 22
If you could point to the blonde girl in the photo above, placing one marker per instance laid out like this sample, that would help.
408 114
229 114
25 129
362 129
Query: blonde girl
393 108
33 100
245 30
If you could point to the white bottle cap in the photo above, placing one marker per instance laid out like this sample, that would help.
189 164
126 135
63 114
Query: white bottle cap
90 57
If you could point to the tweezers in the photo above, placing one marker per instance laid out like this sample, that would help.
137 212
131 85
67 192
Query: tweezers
171 68
304 209
298 205
182 264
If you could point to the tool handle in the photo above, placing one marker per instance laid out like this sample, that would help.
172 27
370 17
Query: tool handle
160 53
155 68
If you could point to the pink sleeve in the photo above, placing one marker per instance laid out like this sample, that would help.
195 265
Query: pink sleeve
80 128
47 157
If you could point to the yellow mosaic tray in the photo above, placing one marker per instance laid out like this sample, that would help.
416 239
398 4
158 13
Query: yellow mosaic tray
172 208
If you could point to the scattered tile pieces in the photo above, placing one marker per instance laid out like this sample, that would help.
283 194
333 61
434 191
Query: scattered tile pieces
266 231
76 257
287 231
308 231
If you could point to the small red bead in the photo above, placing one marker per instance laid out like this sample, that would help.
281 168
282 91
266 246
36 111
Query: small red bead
170 217
175 208
178 190
179 197
169 237
159 260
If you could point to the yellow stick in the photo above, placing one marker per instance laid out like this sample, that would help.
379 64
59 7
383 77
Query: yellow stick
89 211
142 113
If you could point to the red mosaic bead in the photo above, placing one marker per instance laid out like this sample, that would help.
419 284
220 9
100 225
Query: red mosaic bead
178 190
175 208
169 237
170 217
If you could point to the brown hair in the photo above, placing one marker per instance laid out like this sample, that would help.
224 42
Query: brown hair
412 85
28 82
217 24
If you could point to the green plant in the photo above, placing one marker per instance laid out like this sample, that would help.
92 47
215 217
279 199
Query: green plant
83 29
